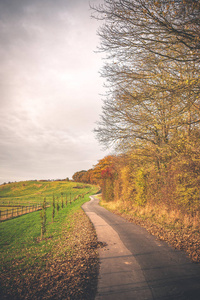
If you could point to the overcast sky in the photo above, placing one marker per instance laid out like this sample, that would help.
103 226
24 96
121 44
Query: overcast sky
49 89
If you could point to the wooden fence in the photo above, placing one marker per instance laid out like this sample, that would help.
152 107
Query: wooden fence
18 211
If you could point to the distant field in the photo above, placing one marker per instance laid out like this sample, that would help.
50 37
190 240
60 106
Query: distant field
21 248
33 192
22 197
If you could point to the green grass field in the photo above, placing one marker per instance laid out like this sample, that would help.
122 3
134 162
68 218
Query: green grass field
32 192
21 248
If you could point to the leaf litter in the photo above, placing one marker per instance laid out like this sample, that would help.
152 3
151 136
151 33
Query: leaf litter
181 238
69 272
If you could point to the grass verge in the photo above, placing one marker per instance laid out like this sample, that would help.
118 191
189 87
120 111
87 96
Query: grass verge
64 265
180 231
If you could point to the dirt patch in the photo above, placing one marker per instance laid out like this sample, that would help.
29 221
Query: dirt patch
70 275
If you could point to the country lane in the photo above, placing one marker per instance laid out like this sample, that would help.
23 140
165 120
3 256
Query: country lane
134 265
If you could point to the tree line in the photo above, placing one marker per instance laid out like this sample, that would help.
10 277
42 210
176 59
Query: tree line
151 111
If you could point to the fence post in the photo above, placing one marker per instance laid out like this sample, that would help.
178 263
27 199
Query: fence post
0 214
6 213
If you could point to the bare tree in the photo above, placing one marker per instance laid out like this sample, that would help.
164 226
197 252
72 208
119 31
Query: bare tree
169 29
152 69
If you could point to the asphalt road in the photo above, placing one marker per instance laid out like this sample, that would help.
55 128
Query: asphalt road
135 265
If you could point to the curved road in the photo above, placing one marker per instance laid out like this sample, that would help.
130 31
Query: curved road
135 265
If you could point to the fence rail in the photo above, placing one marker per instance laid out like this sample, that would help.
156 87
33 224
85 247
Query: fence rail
18 211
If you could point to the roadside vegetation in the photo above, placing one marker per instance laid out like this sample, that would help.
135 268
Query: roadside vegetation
180 231
60 264
151 116
156 202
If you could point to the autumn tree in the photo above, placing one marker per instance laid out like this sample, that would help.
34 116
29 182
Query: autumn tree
79 176
152 106
152 70
103 164
169 29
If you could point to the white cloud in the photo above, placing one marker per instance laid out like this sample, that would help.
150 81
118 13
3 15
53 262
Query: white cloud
49 91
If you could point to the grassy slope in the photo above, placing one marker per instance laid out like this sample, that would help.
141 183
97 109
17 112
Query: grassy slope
23 255
35 191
